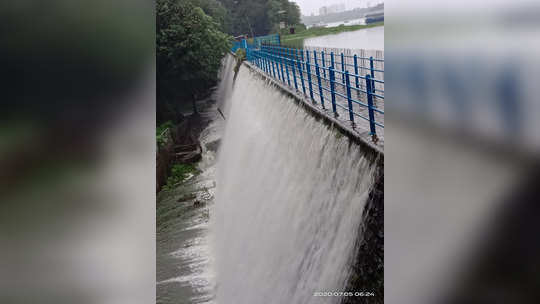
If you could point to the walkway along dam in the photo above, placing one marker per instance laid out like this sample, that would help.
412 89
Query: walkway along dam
298 210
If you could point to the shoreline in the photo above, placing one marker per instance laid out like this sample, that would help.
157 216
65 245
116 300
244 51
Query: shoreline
316 32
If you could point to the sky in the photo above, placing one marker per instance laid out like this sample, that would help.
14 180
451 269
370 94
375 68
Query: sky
312 6
400 6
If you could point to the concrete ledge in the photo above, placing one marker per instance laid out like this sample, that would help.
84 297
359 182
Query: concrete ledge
358 136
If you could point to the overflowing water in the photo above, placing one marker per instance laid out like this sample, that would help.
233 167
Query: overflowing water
281 207
289 199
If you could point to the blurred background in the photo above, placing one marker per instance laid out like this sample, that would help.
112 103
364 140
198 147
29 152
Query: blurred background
462 147
77 151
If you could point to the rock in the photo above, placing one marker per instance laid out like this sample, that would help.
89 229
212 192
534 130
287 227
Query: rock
213 145
189 157
186 197
186 148
164 157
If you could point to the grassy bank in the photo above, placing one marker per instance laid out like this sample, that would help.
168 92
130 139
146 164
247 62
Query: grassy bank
296 40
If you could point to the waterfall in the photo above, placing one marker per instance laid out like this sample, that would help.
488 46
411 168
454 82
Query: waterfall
226 76
289 200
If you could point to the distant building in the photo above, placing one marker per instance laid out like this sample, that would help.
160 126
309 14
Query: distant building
335 8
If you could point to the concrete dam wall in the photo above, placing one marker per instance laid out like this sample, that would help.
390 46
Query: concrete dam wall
299 203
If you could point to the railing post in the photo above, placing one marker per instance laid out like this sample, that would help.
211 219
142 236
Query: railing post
349 100
303 61
372 73
290 56
332 60
319 82
342 68
301 75
273 61
323 65
369 90
294 74
261 56
287 70
267 64
273 70
281 67
356 71
309 76
278 67
333 90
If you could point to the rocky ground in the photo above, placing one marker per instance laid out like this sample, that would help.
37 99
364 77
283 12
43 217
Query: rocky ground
182 145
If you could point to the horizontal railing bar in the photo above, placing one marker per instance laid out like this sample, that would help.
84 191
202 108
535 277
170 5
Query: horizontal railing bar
320 68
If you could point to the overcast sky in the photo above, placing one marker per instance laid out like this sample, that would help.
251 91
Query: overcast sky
312 6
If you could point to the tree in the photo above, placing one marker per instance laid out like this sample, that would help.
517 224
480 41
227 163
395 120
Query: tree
189 49
259 17
216 10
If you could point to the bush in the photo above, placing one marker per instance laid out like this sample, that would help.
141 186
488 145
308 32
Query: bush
240 54
161 136
179 173
189 49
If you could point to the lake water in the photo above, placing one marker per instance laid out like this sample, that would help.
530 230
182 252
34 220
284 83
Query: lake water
370 39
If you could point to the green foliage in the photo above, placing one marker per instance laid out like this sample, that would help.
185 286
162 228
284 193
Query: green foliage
240 54
260 17
161 135
189 49
179 173
240 57
216 10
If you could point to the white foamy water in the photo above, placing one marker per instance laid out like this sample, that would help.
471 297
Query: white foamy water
289 199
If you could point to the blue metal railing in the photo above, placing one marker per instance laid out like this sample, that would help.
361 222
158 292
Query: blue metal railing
267 40
236 46
257 42
351 84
